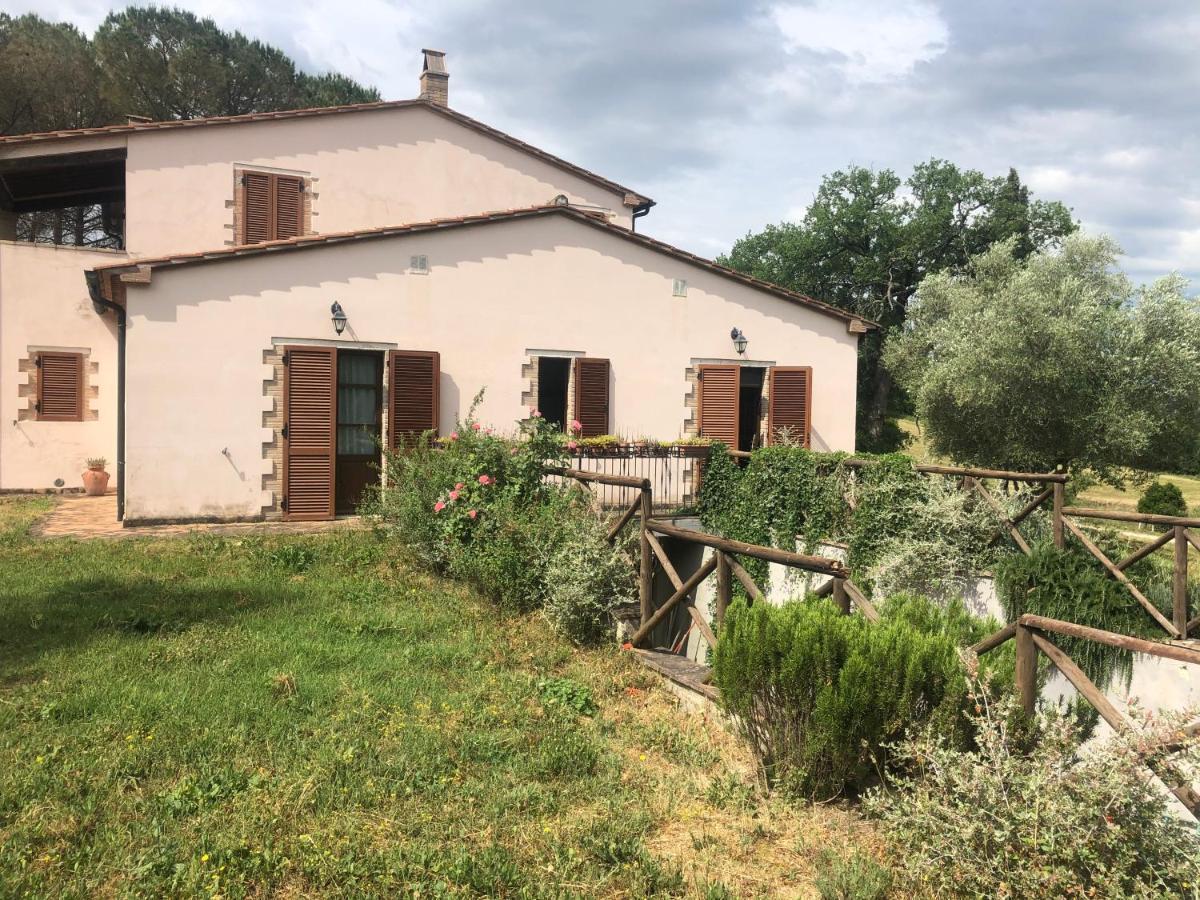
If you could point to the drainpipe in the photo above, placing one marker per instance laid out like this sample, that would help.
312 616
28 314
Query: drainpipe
638 211
101 304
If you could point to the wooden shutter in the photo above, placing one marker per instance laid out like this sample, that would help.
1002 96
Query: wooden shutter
60 387
413 395
289 206
272 207
591 395
309 456
719 395
789 406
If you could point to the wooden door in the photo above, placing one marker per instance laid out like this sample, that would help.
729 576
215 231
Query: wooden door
591 396
719 403
789 405
414 378
359 419
309 454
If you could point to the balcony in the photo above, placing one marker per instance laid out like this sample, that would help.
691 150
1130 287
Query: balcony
66 199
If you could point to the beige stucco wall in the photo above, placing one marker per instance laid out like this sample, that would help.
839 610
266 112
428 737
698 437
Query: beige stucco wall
197 336
44 305
385 167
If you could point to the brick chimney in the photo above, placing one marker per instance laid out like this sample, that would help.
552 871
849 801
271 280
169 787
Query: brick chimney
435 80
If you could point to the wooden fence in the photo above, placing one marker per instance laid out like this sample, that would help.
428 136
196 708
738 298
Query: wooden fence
1033 636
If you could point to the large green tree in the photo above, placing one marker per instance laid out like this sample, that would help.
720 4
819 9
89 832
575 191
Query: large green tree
1055 359
156 62
869 238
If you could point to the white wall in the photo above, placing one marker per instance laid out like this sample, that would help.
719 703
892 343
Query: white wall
197 335
384 167
44 303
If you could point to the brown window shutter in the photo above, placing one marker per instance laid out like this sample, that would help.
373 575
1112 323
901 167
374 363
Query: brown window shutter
256 207
60 387
289 207
414 390
310 402
591 395
719 403
272 207
789 407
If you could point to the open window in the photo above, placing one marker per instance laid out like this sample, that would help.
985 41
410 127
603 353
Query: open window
553 380
69 199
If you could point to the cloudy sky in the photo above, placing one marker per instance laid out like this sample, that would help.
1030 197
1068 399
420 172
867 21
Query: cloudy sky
728 113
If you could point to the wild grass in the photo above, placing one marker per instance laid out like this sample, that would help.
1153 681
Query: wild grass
307 716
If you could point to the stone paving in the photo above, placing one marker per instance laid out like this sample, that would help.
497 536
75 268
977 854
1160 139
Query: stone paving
81 516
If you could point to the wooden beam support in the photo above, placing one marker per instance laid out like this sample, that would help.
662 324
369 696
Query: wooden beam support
1121 577
1179 582
1193 539
624 520
1117 515
999 511
664 561
1026 672
1142 552
724 587
1035 477
1164 649
864 606
818 564
688 586
840 598
744 579
1081 682
1028 509
701 625
1056 516
645 563
994 640
600 477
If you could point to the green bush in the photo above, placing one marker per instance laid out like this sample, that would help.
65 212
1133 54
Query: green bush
821 695
476 505
1162 498
998 821
1070 585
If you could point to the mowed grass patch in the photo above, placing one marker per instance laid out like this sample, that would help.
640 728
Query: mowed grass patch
306 716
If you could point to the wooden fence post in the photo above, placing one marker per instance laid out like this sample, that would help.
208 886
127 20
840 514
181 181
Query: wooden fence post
646 574
1026 669
724 587
840 597
1179 583
1057 516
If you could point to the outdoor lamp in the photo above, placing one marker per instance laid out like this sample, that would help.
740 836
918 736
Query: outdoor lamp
739 340
339 317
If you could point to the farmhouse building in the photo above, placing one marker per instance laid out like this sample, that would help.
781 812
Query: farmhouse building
239 311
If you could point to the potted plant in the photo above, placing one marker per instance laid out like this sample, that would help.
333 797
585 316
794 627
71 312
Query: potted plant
95 479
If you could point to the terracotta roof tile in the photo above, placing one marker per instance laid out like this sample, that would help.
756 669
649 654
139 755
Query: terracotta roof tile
465 120
593 219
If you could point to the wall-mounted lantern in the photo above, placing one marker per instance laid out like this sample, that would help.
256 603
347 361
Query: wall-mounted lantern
339 317
739 340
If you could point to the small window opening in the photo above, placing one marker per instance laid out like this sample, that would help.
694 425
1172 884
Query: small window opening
750 387
554 373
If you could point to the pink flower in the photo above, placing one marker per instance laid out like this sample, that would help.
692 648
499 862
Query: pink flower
454 495
454 435
439 506
475 425
535 413
459 486
572 445
472 513
485 479
576 426
487 430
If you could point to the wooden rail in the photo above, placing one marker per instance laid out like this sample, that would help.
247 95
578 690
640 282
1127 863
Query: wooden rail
1032 635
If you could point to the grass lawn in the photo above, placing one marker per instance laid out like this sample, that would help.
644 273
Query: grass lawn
304 716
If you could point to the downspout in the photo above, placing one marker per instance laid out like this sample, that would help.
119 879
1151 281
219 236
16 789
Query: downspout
638 211
101 304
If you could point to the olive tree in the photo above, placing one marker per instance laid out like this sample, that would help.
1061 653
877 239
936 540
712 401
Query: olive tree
1054 359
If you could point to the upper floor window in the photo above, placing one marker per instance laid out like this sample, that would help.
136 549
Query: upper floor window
272 207
70 199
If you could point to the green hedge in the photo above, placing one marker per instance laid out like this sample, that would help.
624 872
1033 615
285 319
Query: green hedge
821 695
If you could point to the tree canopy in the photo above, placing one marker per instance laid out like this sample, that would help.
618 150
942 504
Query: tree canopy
869 238
1054 359
155 62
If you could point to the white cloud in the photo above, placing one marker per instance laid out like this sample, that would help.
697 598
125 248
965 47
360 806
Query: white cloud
871 40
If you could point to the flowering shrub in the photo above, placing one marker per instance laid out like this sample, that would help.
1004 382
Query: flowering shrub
1057 821
476 505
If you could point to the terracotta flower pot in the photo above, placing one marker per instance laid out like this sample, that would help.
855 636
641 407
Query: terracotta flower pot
95 482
